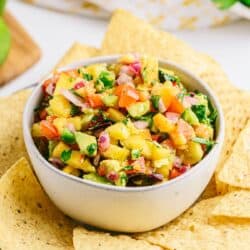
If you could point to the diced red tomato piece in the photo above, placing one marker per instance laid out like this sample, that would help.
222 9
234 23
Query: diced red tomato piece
174 173
155 137
127 95
79 85
102 170
95 101
48 130
43 114
188 101
176 106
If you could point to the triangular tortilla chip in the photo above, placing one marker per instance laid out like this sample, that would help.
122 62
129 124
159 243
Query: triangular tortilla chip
29 220
236 170
127 33
234 205
194 230
76 53
11 134
90 240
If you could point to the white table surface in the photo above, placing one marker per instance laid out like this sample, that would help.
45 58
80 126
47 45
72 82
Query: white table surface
55 33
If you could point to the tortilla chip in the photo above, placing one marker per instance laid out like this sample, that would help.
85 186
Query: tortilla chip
29 220
194 230
90 240
210 190
236 170
11 135
234 205
76 53
126 33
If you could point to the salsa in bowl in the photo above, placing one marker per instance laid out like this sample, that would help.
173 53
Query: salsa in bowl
131 122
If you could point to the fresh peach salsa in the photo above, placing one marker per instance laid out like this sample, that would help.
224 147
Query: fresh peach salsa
128 123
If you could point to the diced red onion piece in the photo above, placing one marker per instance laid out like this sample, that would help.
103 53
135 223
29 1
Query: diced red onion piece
188 101
183 168
55 161
104 141
133 94
136 66
174 117
141 124
157 177
124 79
140 161
177 162
162 107
50 88
74 99
125 69
71 127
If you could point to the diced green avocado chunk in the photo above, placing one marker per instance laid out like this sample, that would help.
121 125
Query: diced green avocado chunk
110 100
138 109
87 143
68 136
96 178
190 117
86 119
111 165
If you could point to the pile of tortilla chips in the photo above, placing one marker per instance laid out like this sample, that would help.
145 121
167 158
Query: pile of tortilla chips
29 220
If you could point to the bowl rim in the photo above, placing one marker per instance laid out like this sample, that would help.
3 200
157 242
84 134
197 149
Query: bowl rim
29 142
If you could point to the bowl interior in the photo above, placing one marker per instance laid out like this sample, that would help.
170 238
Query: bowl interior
189 80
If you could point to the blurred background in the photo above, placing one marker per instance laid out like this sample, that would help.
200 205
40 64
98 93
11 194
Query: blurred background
221 28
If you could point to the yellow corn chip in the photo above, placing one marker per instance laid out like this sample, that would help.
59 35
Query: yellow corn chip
126 33
236 170
234 205
194 231
76 53
29 220
210 190
11 135
90 240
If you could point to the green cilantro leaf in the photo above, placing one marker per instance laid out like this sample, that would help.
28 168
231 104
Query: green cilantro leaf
129 167
155 101
200 111
87 77
209 143
163 77
135 154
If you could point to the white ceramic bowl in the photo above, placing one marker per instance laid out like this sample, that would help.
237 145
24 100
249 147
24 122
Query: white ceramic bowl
126 209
